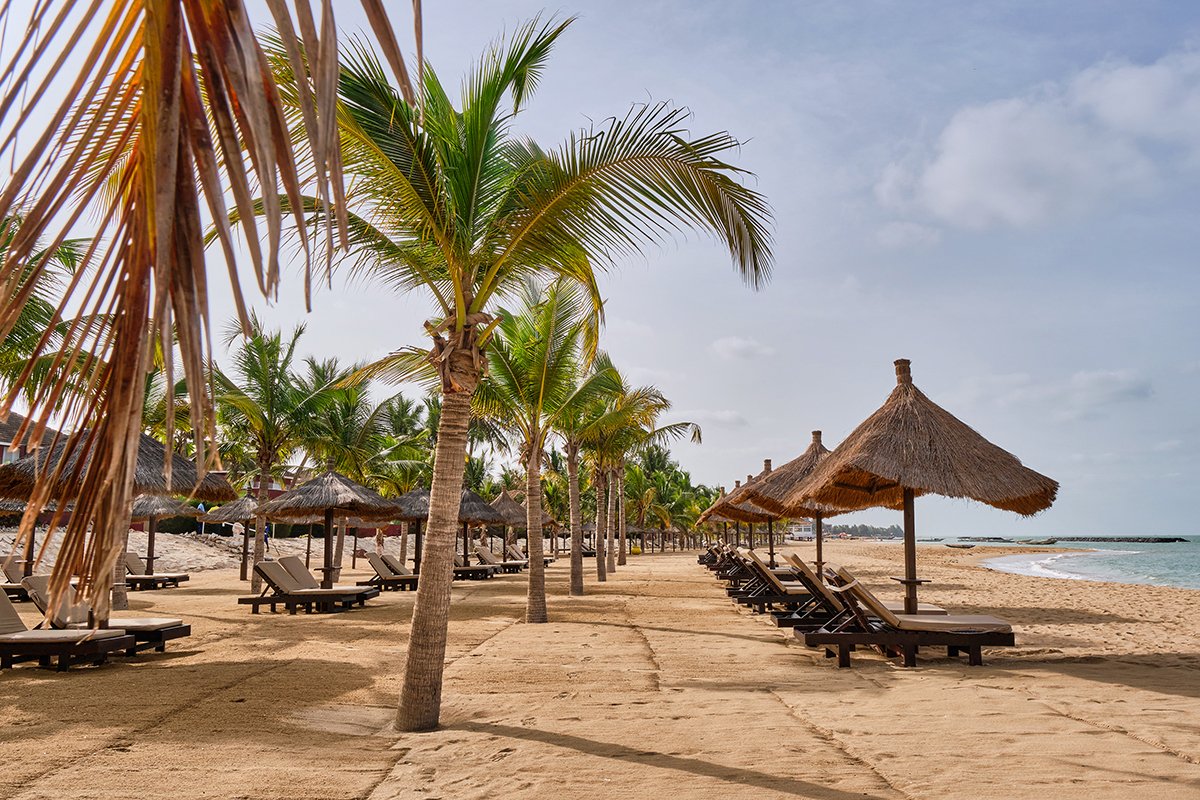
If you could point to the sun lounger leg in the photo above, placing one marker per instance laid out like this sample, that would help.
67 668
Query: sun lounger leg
843 656
975 656
910 655
6 662
64 662
952 651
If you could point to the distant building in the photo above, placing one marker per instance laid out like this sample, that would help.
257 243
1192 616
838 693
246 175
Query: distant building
800 527
8 433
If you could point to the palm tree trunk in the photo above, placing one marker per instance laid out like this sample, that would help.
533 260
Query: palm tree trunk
421 695
610 524
621 554
535 607
576 519
260 523
403 542
601 520
120 593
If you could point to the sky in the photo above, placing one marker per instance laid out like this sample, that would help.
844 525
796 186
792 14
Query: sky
1004 193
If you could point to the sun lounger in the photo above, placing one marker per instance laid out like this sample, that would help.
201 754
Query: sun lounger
488 558
770 589
148 632
18 643
281 589
462 570
139 579
13 574
871 623
397 566
514 553
829 601
305 579
387 578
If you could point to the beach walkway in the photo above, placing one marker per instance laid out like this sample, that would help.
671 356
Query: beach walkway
652 686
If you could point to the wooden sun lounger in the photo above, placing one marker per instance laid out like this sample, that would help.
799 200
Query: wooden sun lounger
148 632
285 591
472 573
830 605
18 643
488 559
138 579
903 634
306 580
13 575
386 578
515 554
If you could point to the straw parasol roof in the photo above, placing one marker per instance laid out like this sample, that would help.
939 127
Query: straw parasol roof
239 510
155 505
735 507
547 520
770 493
913 443
512 511
330 491
18 478
474 510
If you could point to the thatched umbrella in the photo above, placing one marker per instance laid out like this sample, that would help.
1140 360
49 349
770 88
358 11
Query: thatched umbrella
474 510
414 508
153 507
770 493
513 512
18 478
241 511
330 493
739 507
911 447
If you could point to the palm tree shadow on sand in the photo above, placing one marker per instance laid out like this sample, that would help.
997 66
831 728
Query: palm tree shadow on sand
652 758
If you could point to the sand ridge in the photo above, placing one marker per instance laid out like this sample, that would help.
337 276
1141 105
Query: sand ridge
653 684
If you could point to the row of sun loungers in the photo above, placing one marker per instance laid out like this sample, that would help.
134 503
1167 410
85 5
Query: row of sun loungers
836 612
70 636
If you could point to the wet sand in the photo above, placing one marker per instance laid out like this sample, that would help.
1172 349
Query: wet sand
653 685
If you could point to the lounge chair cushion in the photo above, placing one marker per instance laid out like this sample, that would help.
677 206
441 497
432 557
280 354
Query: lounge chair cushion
57 636
949 623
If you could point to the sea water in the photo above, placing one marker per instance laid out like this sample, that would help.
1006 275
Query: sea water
1161 564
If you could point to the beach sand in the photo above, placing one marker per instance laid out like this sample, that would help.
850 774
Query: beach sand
654 685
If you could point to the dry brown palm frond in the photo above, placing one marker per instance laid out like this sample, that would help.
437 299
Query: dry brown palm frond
166 109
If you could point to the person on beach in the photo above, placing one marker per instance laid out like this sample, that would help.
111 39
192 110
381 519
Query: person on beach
267 537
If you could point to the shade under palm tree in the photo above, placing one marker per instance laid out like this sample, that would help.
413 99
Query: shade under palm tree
330 493
910 447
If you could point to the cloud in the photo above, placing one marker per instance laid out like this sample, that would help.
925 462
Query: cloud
721 418
732 348
1084 394
898 235
1167 445
1062 150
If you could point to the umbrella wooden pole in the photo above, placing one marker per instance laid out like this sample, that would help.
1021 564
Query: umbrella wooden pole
750 534
327 566
737 532
417 549
466 556
245 550
817 532
771 542
27 567
308 550
910 554
151 528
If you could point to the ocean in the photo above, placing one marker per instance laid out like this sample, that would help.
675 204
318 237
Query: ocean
1161 564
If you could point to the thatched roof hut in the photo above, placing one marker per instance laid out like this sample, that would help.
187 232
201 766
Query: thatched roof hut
770 492
512 511
18 478
474 510
414 506
912 443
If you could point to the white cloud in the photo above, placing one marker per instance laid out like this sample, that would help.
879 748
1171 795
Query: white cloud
733 348
1082 395
722 418
898 235
1059 151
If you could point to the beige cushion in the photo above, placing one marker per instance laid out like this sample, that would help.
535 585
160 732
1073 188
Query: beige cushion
143 624
60 636
953 623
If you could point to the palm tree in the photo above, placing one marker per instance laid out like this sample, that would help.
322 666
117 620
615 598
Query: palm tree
535 359
262 402
169 110
452 203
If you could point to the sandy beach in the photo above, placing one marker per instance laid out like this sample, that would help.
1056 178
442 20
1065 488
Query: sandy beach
652 685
